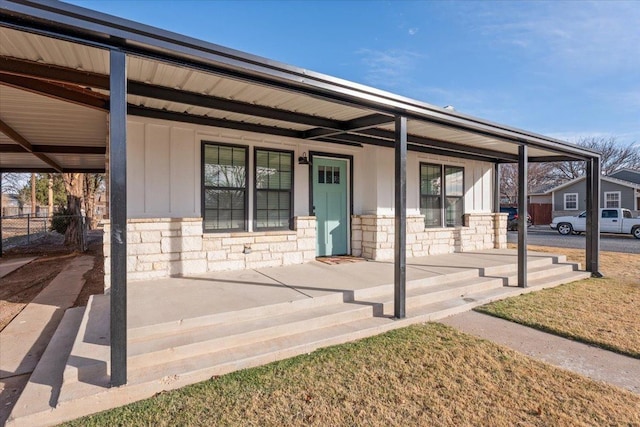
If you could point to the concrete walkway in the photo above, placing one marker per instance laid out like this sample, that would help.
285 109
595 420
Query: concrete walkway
10 265
592 362
24 340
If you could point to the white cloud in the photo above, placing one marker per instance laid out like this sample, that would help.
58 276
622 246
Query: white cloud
388 68
581 35
413 31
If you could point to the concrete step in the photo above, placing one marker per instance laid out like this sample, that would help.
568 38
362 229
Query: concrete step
91 352
540 273
532 263
160 329
40 395
449 307
437 293
227 336
376 291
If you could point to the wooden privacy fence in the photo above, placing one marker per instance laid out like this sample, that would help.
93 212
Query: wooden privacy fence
540 213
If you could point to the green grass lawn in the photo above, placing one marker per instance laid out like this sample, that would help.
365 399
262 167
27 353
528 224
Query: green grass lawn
426 374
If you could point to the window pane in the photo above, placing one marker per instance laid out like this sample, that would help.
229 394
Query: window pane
454 181
430 180
431 209
320 174
284 200
329 175
285 180
336 176
454 211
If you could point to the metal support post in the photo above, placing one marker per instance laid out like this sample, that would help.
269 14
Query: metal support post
400 252
496 188
1 215
523 165
118 207
592 247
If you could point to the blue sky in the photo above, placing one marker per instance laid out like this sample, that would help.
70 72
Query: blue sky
567 69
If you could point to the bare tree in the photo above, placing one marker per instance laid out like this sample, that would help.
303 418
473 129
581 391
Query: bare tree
540 178
74 184
614 156
92 184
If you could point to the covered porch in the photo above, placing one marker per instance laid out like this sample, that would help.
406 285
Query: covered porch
85 75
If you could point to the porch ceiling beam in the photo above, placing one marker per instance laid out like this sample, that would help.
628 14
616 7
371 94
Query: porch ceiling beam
154 113
55 91
349 138
36 70
354 125
25 68
53 149
20 140
51 170
452 146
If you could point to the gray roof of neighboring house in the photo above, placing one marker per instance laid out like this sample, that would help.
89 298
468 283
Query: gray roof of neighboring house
626 174
604 178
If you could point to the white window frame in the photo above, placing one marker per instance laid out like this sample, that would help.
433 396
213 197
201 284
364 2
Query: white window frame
618 199
565 201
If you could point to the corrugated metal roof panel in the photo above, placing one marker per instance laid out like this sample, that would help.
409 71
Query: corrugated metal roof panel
19 160
84 161
43 120
47 50
150 71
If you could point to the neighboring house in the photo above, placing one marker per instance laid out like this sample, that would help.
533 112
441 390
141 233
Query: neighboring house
10 205
570 198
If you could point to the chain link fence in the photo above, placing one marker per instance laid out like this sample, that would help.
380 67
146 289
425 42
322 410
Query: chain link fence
27 229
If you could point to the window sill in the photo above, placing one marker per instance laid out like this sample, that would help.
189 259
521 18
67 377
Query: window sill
217 235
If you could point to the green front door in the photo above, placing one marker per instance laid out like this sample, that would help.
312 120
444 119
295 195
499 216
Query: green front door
330 205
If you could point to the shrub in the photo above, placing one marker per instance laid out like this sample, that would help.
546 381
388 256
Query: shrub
60 220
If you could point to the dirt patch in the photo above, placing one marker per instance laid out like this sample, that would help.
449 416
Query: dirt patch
21 286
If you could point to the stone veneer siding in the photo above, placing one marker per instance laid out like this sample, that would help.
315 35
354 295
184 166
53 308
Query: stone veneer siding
164 247
372 236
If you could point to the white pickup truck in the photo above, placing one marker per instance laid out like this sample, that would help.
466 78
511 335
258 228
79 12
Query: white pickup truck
611 221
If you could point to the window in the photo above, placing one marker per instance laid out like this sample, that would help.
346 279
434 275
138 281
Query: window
609 214
612 199
433 193
274 189
224 177
571 201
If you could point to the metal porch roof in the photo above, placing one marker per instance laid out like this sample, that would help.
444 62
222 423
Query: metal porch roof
60 52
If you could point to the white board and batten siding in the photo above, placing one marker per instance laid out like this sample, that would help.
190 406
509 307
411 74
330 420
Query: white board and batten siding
163 171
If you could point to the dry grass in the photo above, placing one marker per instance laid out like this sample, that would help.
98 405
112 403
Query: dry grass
602 312
421 375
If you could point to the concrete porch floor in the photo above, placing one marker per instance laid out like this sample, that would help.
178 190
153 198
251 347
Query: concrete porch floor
185 330
174 299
